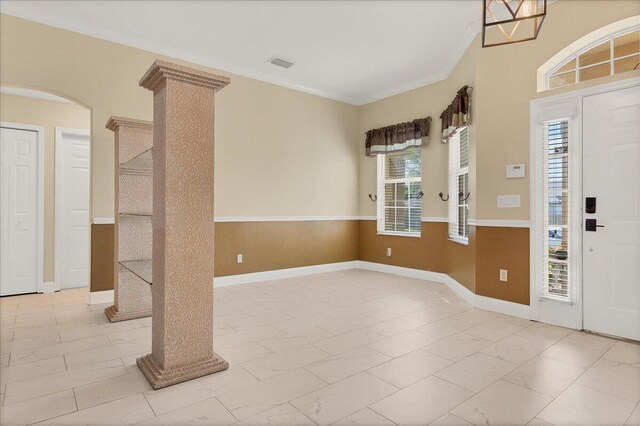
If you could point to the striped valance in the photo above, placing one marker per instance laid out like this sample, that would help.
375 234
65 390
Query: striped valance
397 137
457 114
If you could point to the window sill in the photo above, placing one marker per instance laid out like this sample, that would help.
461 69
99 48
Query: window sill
399 234
459 240
556 299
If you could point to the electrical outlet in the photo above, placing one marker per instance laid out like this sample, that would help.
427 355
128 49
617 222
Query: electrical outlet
389 252
503 275
239 258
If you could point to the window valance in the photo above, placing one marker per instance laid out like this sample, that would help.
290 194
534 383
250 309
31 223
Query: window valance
457 114
397 137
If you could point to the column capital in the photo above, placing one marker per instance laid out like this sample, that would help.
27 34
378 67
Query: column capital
162 70
115 122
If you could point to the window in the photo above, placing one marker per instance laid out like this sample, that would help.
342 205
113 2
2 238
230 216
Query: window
400 192
614 55
459 186
556 210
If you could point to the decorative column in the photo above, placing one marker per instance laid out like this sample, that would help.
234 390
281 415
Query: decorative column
182 291
133 207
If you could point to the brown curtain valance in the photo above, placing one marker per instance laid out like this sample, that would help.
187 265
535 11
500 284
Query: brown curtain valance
457 114
397 137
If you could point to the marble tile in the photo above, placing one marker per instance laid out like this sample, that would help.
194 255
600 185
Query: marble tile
138 333
616 379
183 394
625 353
52 383
347 341
347 324
396 326
125 411
409 368
279 362
422 402
502 403
403 343
458 346
282 415
476 371
52 351
296 338
537 422
269 393
445 327
346 364
544 332
365 417
493 330
18 373
516 349
545 376
256 321
207 412
111 389
580 405
241 354
37 409
30 344
634 418
576 350
338 400
450 420
95 356
246 336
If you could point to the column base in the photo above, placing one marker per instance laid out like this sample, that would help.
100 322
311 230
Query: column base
160 378
115 316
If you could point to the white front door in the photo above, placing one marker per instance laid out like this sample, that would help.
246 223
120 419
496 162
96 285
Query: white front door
72 208
611 174
18 211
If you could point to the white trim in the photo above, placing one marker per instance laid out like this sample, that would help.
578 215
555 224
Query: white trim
104 221
367 218
583 44
503 307
40 255
436 219
282 273
59 205
98 297
400 234
49 287
222 219
500 223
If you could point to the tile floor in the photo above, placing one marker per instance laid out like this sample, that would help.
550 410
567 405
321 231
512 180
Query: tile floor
346 348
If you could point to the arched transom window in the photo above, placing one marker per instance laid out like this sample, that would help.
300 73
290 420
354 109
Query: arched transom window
614 54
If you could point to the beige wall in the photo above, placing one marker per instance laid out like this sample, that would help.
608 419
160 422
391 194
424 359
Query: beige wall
280 152
48 114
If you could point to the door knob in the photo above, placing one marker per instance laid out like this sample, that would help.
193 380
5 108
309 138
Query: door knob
591 225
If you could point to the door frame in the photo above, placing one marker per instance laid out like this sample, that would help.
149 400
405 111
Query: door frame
58 205
565 105
41 285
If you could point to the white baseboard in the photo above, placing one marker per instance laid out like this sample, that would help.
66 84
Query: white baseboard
48 287
282 273
481 302
98 297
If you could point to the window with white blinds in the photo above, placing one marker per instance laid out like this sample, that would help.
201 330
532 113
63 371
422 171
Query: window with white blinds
459 185
399 192
556 211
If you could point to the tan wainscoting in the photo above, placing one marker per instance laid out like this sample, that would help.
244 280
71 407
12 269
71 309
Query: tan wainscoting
431 252
102 260
265 246
503 248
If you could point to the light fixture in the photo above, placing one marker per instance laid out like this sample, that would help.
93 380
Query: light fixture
511 21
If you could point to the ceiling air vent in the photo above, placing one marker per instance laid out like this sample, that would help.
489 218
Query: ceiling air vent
281 62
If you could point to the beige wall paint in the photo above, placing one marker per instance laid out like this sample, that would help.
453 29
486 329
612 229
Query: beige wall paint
504 81
279 152
48 114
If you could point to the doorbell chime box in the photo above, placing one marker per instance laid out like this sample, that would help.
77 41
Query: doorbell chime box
515 171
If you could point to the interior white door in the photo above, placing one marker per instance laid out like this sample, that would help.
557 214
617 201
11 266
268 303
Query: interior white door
611 174
19 211
72 208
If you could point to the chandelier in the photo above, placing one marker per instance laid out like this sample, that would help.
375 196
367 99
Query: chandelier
511 21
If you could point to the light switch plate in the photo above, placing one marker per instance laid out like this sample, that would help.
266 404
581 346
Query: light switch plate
515 171
508 201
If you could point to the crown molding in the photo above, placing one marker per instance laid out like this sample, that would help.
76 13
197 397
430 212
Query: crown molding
163 70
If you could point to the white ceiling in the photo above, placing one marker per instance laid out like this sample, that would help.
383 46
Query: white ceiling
353 51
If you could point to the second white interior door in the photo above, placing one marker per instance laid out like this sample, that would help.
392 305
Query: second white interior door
72 232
